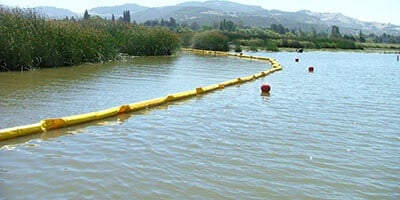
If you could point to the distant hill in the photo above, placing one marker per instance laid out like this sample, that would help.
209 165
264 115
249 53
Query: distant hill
209 12
107 12
226 6
56 13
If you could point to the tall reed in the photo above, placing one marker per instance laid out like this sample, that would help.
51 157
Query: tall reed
29 41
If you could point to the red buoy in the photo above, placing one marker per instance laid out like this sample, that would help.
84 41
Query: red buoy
310 69
297 60
265 88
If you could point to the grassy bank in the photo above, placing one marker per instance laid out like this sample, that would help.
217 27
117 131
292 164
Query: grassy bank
29 41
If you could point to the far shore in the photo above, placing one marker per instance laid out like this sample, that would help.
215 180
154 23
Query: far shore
365 50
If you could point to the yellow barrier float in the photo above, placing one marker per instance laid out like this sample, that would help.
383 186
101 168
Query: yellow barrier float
57 123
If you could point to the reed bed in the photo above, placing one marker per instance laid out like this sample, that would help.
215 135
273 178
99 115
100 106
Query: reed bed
29 41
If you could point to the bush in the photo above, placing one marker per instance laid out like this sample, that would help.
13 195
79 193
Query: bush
210 40
272 46
255 42
238 48
186 38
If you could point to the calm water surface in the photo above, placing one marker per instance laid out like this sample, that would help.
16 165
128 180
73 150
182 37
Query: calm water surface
332 134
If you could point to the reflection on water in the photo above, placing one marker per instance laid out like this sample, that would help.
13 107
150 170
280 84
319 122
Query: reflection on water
110 121
333 134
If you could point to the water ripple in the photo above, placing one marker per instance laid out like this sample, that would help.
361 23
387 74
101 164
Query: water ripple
333 134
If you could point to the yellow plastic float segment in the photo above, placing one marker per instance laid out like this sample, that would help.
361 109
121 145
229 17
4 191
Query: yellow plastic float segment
19 131
147 104
109 112
262 58
80 119
181 95
53 123
247 78
209 88
230 82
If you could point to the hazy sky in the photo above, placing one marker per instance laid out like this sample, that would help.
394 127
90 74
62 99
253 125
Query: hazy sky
386 11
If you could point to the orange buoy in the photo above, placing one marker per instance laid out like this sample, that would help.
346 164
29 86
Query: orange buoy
265 88
311 69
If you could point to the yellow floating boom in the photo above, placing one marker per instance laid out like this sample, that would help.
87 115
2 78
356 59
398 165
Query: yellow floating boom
57 123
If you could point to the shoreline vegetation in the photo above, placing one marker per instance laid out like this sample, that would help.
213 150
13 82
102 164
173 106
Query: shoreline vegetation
29 41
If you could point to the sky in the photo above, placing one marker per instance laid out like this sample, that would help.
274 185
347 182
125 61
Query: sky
385 11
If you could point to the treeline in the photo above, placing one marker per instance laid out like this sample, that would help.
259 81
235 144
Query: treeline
29 41
256 38
274 37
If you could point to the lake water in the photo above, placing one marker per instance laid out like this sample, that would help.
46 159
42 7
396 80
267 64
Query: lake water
331 134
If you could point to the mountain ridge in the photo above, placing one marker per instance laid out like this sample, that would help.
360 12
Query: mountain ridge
208 12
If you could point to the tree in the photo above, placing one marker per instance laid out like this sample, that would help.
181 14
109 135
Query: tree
230 26
207 27
184 25
222 25
163 22
335 33
86 15
153 22
300 33
227 25
361 36
278 28
113 18
195 26
126 16
274 27
172 23
313 32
